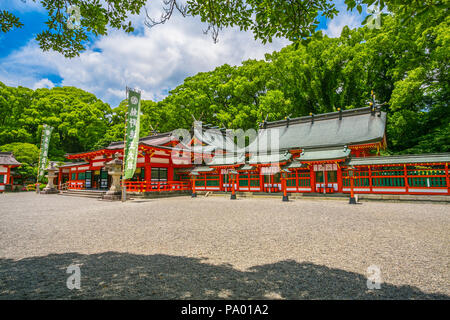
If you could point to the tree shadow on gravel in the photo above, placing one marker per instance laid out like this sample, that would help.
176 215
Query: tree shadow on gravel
113 275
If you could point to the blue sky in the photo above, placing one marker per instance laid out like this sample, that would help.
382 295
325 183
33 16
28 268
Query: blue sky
155 60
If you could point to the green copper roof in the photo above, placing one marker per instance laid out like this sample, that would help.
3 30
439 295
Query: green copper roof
270 158
202 149
8 159
227 159
295 165
214 137
324 154
202 169
351 127
246 167
402 159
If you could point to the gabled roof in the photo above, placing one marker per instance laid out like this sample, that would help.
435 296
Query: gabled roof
270 158
246 167
201 149
8 159
227 159
202 169
214 137
72 164
349 127
295 165
159 139
402 159
324 154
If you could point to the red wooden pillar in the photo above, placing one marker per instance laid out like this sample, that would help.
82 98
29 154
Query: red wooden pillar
312 177
194 194
59 177
220 180
147 172
170 170
8 176
406 178
261 180
370 179
11 179
339 178
447 178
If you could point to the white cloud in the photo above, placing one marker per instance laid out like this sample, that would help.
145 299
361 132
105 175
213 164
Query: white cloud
155 60
43 83
22 5
344 18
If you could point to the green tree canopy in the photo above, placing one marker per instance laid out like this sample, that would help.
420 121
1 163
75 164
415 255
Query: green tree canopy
79 119
71 22
27 154
406 64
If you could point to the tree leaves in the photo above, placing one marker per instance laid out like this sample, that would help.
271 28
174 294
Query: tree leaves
27 154
296 20
79 118
8 21
406 65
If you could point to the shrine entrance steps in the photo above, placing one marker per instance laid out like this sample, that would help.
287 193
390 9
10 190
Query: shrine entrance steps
97 194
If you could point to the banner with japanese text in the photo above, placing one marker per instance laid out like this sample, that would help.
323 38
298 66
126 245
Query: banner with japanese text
45 141
132 133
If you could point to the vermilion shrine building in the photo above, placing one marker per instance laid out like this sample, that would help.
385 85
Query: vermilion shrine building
7 162
313 154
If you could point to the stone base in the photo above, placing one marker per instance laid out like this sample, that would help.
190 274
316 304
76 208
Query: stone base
112 196
285 198
49 191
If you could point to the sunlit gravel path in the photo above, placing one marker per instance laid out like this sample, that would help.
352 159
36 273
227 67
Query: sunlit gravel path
213 248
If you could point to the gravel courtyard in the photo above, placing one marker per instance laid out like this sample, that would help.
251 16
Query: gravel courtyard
214 248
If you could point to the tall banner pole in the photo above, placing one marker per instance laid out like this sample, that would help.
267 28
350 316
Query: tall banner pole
131 147
45 141
39 164
124 188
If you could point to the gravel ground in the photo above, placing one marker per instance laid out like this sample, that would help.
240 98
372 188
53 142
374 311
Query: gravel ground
214 248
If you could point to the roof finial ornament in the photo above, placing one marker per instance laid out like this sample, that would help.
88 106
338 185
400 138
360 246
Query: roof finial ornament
340 113
264 123
153 131
312 117
372 103
287 118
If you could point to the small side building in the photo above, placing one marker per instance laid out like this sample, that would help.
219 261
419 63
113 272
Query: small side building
7 162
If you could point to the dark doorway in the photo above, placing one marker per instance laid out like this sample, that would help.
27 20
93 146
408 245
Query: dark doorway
88 179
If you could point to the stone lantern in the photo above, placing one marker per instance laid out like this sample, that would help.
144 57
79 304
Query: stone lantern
114 168
50 187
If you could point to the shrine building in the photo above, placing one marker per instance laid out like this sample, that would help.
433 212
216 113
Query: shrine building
325 153
7 162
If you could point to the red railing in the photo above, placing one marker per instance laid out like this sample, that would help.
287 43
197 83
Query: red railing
157 186
407 179
75 184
